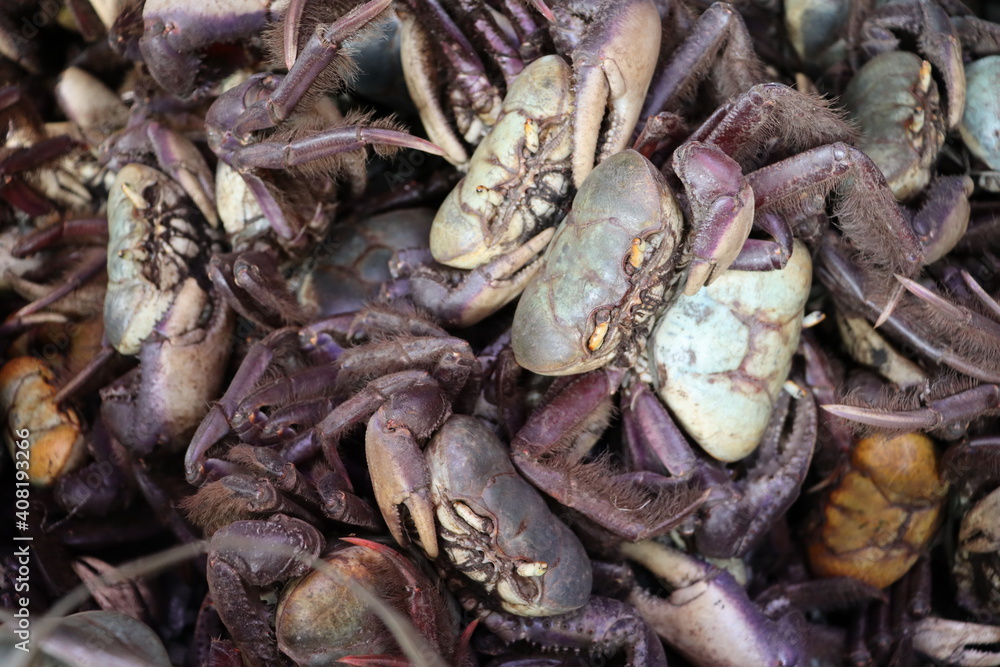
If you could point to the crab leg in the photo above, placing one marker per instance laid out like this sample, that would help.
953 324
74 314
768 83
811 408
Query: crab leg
770 110
733 527
485 289
281 155
962 407
215 425
850 284
868 213
959 315
651 431
502 51
705 599
719 30
548 449
603 622
317 55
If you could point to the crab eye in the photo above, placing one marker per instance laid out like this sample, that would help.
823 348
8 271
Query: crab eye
637 253
602 320
531 136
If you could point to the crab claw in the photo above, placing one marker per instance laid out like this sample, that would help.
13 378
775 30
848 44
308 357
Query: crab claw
723 206
705 599
613 66
979 532
482 291
400 477
957 643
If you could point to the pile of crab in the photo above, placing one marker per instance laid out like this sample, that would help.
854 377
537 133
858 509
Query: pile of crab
676 337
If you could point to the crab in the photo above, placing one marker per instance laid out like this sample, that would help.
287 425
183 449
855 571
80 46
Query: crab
726 511
246 557
486 51
724 204
518 567
587 310
57 444
453 500
35 162
266 100
318 375
157 307
543 145
154 131
975 566
881 515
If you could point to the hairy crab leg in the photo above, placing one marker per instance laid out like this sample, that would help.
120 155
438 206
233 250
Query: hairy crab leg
281 155
868 213
548 452
962 407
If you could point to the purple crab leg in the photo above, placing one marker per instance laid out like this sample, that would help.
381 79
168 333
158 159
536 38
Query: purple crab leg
470 71
708 37
868 213
77 381
68 229
621 503
318 53
991 304
280 155
650 429
36 155
848 283
78 278
960 315
963 406
215 425
22 196
501 50
769 110
943 219
601 623
293 16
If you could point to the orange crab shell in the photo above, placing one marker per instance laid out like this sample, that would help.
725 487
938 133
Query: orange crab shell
55 442
882 514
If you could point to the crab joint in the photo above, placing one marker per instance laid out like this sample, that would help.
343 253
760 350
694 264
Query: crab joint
493 196
531 135
602 321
